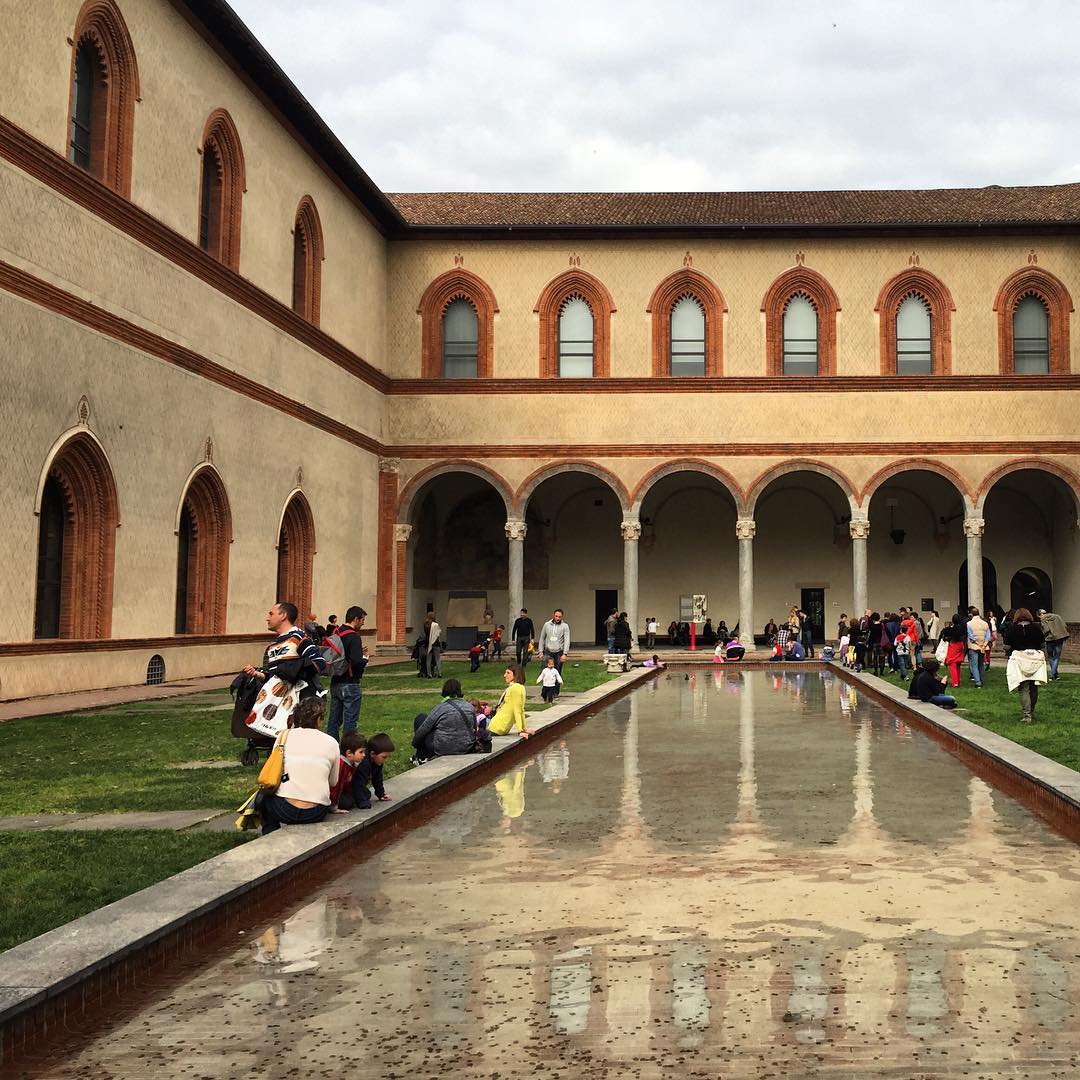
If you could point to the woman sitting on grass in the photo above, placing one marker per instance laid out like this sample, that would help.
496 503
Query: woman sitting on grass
510 711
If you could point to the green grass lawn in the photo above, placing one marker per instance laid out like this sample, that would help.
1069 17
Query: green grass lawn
50 878
1056 731
126 757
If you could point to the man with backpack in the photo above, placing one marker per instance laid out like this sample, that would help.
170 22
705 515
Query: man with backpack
346 657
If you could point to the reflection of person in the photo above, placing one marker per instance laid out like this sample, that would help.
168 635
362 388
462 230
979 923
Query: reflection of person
511 792
510 712
554 765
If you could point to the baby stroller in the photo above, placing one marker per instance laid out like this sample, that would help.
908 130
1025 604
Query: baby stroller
244 688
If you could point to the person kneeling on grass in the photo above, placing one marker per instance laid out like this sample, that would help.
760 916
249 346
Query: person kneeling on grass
927 687
311 769
353 750
450 728
550 679
369 771
510 711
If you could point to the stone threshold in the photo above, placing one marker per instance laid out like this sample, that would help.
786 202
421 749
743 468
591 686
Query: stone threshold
85 965
1048 788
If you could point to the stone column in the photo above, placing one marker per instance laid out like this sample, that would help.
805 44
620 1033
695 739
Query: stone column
631 533
745 528
402 532
973 530
860 535
515 586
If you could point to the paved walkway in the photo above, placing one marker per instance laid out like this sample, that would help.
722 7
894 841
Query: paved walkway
171 820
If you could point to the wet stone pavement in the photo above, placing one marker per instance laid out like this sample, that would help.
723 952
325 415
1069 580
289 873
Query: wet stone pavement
728 875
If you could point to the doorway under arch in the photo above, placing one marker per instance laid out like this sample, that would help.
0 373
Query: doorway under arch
1031 588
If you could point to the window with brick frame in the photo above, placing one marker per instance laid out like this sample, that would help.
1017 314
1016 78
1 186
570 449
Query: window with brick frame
104 89
815 296
1031 342
296 554
562 307
221 189
701 309
308 256
202 567
924 301
439 297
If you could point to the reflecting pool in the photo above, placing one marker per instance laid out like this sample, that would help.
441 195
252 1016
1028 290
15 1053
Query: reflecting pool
725 873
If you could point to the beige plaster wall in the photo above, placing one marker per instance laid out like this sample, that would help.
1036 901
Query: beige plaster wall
518 269
182 80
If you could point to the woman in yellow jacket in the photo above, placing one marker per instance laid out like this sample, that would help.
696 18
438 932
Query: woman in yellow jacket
510 712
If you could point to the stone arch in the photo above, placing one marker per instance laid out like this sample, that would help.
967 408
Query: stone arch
112 127
794 466
816 288
937 296
1033 281
308 254
204 528
691 465
916 465
1071 480
457 284
79 474
221 239
687 281
455 465
529 485
296 552
548 306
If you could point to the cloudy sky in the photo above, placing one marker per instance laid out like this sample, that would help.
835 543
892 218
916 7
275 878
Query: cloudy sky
634 96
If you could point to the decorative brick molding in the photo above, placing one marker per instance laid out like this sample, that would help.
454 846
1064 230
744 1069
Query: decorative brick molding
933 290
384 580
91 517
574 282
947 472
296 554
308 255
456 284
452 464
1033 281
687 282
221 141
1070 478
811 284
116 86
794 465
529 485
208 556
686 465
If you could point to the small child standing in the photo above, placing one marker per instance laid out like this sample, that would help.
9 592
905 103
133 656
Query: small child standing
353 751
369 771
476 652
902 648
551 679
497 641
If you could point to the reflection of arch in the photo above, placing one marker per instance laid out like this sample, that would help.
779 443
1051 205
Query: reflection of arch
78 513
989 585
936 294
687 282
688 465
455 465
915 465
1071 480
800 279
204 530
794 466
1033 281
457 284
1031 588
548 306
534 480
296 553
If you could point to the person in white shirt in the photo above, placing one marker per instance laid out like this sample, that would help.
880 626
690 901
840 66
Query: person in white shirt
550 679
651 627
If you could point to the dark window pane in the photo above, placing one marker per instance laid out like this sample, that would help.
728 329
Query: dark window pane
185 551
210 207
50 566
82 105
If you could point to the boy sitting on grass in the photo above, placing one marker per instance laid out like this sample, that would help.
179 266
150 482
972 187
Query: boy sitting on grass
369 771
353 751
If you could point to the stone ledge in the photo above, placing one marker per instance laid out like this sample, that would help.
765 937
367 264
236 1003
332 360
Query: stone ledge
38 973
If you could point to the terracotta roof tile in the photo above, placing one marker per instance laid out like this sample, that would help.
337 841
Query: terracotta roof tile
1057 204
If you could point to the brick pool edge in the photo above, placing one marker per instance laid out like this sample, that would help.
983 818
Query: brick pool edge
79 968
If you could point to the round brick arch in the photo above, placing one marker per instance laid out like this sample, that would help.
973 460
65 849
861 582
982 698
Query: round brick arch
208 557
456 284
446 468
1067 476
529 485
785 468
947 472
685 465
296 552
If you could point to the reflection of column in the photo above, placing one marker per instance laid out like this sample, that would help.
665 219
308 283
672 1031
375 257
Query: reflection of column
515 586
630 822
744 531
973 530
631 533
402 532
748 811
863 784
860 534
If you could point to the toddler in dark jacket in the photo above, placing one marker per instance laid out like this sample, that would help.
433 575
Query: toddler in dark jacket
369 771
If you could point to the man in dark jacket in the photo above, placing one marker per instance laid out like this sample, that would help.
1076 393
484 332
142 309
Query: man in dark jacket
345 689
522 632
1057 633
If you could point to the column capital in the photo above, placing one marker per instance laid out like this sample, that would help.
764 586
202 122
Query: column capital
631 530
859 528
389 464
974 526
745 528
402 532
515 529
